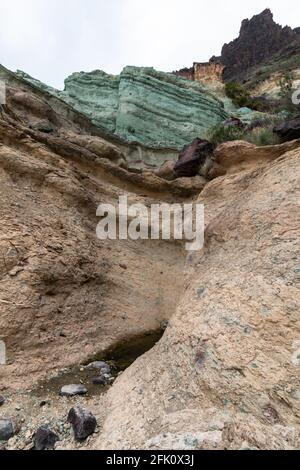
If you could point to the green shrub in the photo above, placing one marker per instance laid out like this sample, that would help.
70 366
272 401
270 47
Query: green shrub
219 134
261 136
239 94
286 85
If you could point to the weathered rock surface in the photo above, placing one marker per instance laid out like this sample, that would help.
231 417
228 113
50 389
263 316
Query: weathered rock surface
225 374
83 422
143 105
260 39
288 130
167 171
45 439
234 157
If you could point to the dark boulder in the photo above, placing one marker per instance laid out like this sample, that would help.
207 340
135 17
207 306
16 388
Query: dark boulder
288 130
45 439
83 422
7 429
194 159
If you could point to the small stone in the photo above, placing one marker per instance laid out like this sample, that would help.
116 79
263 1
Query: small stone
7 429
102 366
45 439
73 390
102 380
2 400
44 403
83 422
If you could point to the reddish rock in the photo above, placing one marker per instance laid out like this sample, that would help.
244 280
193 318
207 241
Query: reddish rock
193 158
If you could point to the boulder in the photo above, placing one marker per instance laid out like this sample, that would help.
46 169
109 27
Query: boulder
45 439
194 159
7 429
288 130
73 390
83 422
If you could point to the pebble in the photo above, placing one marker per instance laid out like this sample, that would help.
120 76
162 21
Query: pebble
102 366
100 380
73 390
83 423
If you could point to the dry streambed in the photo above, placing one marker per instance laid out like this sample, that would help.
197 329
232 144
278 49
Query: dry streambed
48 416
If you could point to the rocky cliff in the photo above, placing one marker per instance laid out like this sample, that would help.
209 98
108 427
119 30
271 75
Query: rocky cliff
259 41
62 289
225 374
263 52
143 105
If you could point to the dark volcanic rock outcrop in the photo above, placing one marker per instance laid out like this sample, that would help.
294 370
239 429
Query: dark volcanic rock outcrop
260 38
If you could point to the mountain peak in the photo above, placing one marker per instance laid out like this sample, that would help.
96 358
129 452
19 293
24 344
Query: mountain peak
260 38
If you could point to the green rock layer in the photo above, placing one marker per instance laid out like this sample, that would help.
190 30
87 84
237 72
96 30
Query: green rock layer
143 105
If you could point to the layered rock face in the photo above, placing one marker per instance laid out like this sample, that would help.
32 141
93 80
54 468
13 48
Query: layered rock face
64 294
225 374
259 40
203 72
143 105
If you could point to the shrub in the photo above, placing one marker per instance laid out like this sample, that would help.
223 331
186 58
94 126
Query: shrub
239 95
286 85
219 134
261 136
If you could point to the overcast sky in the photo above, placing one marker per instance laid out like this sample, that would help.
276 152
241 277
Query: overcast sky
50 39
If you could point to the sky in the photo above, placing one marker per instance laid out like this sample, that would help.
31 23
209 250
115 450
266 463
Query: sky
50 39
